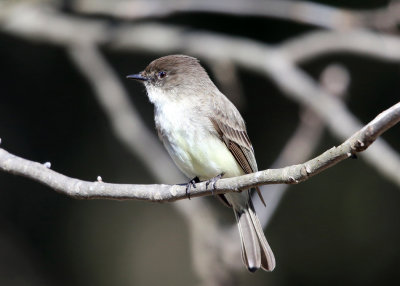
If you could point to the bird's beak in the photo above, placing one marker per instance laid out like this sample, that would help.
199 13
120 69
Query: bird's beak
137 77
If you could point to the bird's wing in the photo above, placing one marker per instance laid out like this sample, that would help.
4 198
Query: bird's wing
233 133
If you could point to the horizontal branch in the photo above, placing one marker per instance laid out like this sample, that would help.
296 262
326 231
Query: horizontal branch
297 11
360 141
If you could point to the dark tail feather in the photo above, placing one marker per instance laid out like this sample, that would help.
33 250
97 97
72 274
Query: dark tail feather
256 252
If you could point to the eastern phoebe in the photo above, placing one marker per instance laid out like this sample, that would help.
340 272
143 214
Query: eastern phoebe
206 137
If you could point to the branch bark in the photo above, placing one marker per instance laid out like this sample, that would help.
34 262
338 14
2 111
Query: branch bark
294 174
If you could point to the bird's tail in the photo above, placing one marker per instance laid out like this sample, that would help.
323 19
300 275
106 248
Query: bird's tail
256 252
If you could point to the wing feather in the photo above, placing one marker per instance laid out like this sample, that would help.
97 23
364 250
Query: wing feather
233 132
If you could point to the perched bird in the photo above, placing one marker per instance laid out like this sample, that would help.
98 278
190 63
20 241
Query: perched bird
206 137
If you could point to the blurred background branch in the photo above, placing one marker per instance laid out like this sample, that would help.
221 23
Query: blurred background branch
304 12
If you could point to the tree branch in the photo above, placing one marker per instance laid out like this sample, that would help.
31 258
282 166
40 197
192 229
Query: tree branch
360 141
297 11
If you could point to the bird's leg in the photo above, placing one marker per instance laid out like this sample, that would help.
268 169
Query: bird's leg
190 184
212 182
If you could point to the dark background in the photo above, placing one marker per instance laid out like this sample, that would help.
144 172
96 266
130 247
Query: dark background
341 227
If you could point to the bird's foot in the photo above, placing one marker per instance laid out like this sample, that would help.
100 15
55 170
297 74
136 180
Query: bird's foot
190 184
212 182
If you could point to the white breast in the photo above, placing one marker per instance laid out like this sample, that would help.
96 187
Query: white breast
196 150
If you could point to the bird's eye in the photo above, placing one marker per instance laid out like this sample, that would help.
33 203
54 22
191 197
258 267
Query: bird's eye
162 74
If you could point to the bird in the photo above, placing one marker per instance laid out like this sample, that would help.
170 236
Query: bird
206 137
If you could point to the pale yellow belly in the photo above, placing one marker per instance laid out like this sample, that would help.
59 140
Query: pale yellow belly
206 157
203 156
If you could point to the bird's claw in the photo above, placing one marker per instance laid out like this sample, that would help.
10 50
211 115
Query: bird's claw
190 184
212 182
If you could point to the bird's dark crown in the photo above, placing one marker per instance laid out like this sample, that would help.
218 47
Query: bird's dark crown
173 70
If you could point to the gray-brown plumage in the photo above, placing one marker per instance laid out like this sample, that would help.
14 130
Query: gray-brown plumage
206 136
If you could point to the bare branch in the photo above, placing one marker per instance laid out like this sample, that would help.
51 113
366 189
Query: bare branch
360 141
